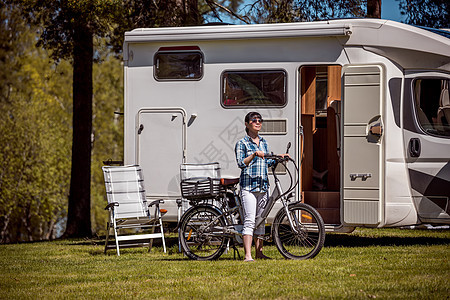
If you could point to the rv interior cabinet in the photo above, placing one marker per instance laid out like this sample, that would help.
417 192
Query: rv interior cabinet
320 117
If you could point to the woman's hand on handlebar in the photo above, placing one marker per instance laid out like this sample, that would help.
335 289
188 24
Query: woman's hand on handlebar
249 158
259 154
278 157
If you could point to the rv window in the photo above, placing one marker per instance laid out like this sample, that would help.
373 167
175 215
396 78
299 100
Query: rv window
432 104
178 65
254 88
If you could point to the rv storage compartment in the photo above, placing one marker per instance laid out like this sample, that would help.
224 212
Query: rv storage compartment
200 181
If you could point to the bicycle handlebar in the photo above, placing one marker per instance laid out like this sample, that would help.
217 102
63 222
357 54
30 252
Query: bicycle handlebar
277 158
281 159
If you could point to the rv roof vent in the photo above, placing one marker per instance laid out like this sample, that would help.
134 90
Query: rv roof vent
274 126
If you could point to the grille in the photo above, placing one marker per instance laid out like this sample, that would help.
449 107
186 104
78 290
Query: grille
274 126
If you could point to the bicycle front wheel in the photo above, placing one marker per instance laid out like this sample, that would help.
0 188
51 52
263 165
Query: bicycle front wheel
202 233
306 239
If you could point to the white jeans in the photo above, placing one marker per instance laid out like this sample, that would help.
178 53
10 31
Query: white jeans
253 205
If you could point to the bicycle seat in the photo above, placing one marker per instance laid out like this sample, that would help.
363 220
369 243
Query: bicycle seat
229 181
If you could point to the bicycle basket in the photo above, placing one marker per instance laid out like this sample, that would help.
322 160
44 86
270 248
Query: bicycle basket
200 188
200 181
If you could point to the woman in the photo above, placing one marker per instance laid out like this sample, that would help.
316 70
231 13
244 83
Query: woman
254 182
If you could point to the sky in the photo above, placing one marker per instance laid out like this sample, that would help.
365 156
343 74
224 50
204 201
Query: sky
390 10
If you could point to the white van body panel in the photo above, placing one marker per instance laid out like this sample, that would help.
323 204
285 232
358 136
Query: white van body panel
185 122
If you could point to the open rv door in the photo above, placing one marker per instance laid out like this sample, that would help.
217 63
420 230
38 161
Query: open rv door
161 149
362 148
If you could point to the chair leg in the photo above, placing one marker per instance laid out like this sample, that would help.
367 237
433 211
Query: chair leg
107 236
162 234
117 240
150 243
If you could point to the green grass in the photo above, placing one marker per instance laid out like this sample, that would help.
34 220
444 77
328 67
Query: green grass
369 263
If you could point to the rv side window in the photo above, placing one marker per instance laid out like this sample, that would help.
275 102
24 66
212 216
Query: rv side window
432 104
178 65
254 88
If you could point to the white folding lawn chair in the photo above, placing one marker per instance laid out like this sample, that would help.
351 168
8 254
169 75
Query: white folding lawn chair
129 210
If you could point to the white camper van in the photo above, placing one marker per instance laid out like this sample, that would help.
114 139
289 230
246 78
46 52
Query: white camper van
370 98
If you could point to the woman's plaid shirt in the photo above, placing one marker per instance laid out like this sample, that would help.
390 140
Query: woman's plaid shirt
254 177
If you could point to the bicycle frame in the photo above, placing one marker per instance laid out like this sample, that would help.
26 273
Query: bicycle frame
262 218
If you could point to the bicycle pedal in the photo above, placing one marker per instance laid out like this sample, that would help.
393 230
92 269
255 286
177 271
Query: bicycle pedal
266 238
231 231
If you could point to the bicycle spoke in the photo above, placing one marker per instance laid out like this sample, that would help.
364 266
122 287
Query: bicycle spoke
202 234
305 238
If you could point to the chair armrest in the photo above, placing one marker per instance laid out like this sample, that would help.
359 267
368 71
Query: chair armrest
157 202
111 205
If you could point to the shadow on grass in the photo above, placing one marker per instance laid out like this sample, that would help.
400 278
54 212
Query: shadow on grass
346 240
169 256
331 240
100 241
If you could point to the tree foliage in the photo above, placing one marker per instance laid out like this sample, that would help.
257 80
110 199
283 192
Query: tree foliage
60 20
167 13
35 134
68 30
429 13
275 11
36 131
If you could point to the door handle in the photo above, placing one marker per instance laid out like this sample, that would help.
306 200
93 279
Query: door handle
374 130
414 147
363 177
141 127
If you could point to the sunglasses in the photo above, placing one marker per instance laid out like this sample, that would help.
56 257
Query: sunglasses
256 120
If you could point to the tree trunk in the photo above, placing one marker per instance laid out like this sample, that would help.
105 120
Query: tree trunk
79 211
51 229
4 231
26 220
374 9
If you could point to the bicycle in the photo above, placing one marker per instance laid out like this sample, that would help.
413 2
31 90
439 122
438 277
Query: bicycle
215 220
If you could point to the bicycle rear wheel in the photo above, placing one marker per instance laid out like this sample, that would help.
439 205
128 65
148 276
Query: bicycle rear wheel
308 238
202 233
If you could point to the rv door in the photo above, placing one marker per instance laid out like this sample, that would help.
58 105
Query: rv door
161 148
426 124
362 148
